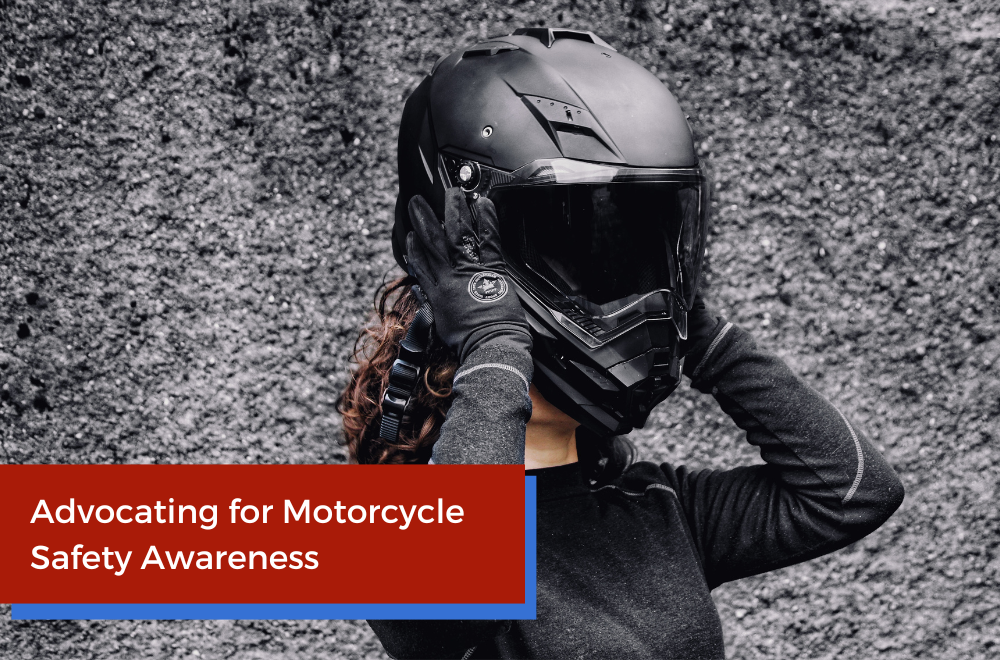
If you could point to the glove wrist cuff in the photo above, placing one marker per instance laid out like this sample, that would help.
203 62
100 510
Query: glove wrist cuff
515 335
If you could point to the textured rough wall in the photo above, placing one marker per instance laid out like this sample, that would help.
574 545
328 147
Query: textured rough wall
195 202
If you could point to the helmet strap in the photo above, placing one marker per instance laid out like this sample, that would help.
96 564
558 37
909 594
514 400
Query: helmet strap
407 370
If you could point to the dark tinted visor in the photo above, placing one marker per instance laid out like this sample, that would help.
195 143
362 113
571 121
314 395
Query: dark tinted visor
607 255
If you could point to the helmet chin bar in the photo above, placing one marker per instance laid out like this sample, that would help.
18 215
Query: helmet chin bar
612 389
605 413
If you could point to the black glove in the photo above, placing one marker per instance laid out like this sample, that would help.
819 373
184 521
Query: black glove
462 274
702 325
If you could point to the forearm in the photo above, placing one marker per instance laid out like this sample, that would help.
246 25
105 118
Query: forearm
824 484
793 424
487 419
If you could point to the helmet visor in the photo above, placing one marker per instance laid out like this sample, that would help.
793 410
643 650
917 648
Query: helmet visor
607 255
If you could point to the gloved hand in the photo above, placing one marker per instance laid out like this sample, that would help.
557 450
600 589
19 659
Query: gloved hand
703 325
462 274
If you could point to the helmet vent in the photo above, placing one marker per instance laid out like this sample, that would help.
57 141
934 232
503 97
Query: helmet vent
549 36
489 49
573 129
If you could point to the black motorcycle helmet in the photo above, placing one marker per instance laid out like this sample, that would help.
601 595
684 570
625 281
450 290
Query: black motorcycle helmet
602 204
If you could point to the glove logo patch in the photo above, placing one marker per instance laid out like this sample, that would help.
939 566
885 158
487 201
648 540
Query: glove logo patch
487 286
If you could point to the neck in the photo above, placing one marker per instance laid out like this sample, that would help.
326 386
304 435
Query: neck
549 445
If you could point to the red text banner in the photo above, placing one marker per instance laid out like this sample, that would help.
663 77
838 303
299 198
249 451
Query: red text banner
262 534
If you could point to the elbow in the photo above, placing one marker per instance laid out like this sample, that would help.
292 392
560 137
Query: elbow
896 495
892 492
871 508
890 500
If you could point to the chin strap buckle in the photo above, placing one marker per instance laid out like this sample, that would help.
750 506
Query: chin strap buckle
407 371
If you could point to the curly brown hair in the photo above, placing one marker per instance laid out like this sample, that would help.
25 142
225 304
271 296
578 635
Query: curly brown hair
375 350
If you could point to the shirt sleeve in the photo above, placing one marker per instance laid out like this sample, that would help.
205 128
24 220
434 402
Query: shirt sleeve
491 408
822 487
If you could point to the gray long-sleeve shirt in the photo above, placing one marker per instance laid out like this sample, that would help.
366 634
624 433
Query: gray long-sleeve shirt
625 570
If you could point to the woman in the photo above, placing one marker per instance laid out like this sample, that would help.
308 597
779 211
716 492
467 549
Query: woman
628 552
